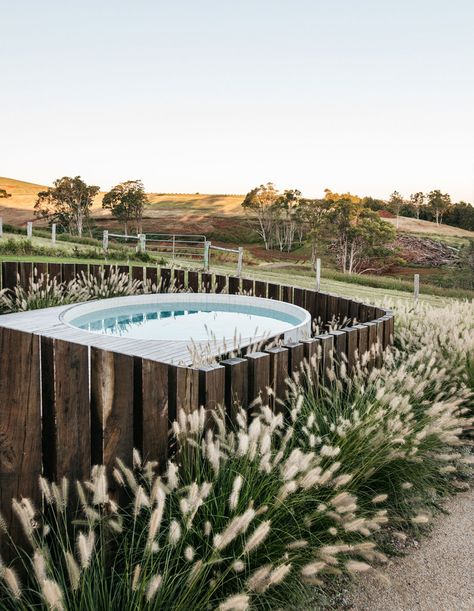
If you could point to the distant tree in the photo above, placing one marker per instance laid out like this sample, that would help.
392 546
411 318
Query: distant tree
460 215
360 234
3 193
314 215
417 201
438 203
374 204
127 202
336 197
396 202
288 218
67 202
262 202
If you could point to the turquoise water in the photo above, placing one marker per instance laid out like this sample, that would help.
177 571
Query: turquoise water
199 321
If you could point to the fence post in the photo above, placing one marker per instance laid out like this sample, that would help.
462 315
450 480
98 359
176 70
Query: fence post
416 287
141 245
318 274
240 261
174 246
53 234
105 240
207 247
1 227
29 230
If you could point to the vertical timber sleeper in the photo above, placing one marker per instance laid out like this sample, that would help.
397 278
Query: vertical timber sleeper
20 425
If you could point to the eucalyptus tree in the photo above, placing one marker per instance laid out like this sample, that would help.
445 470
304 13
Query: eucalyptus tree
396 202
439 204
127 201
67 202
261 202
417 201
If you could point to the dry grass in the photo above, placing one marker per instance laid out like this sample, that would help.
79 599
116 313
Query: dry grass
224 205
19 208
427 227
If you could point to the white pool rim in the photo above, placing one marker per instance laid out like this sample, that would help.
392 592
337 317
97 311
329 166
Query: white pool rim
299 331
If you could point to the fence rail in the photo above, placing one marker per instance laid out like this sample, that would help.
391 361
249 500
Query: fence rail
58 416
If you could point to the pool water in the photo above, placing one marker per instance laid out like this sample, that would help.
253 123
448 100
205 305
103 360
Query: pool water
199 321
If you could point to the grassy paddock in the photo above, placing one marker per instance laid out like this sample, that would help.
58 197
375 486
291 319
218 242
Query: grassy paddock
371 288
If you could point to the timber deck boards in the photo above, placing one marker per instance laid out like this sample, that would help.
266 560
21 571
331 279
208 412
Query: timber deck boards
46 323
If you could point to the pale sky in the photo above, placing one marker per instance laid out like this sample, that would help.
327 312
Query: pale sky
218 96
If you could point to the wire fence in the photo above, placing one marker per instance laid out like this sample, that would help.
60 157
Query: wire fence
174 246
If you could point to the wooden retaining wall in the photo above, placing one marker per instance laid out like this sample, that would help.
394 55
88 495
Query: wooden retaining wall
65 406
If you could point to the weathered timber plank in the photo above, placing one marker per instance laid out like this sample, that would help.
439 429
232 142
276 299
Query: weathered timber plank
287 293
279 369
321 310
372 343
152 420
179 279
206 282
260 289
298 296
363 343
95 270
343 310
183 390
138 273
236 385
151 277
391 325
326 342
165 282
295 357
310 302
247 286
111 407
340 344
212 387
221 283
354 311
82 269
69 272
273 291
352 346
332 308
234 285
193 281
66 409
20 425
259 375
9 274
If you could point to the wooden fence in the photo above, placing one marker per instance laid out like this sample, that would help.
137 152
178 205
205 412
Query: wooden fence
66 406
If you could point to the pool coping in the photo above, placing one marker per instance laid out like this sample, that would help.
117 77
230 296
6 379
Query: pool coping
53 323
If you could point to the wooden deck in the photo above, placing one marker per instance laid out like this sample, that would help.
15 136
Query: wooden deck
47 323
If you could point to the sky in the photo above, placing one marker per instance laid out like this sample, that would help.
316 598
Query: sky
219 96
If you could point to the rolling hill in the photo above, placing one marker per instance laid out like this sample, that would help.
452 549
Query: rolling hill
18 208
197 208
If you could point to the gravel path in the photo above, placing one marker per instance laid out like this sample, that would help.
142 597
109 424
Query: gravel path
438 576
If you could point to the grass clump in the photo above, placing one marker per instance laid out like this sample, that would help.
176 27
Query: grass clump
44 291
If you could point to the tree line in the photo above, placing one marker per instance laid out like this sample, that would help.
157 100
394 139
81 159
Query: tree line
433 206
69 201
357 232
